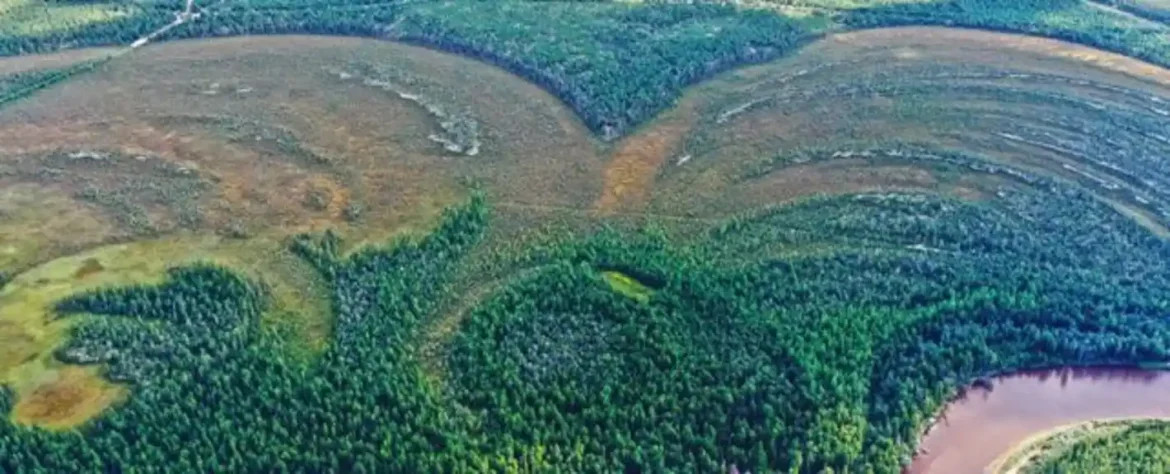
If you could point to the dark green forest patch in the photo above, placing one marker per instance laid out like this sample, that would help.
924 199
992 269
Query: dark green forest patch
809 362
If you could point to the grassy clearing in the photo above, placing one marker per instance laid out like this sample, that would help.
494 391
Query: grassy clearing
600 58
628 286
33 331
936 109
341 151
29 239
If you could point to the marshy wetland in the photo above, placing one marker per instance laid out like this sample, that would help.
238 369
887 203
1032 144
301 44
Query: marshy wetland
348 254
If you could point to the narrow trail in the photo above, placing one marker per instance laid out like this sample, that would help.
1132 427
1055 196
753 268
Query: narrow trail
191 13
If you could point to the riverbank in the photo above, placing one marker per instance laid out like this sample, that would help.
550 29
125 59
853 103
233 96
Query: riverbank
975 431
1055 441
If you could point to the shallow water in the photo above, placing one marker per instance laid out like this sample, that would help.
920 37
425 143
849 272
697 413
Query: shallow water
975 429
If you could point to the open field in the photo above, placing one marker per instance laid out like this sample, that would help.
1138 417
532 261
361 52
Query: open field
53 61
225 164
893 109
830 243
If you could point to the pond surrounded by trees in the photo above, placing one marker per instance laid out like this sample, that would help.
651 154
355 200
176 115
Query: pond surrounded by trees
984 423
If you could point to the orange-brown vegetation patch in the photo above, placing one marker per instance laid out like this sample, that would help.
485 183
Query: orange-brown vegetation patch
298 134
1024 102
89 267
17 64
633 168
67 398
983 46
280 144
27 236
848 177
287 146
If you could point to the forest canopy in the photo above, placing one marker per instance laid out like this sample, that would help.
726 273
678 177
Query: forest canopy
815 334
617 64
805 363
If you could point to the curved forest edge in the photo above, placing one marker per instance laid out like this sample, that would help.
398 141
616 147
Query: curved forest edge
823 361
1076 447
14 87
650 52
695 353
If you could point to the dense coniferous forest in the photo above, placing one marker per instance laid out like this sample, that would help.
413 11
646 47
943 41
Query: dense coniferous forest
1149 9
818 336
805 362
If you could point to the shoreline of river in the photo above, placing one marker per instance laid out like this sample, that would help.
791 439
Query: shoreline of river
966 399
1031 449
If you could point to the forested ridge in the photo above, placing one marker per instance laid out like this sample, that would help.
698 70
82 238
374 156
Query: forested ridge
731 351
617 64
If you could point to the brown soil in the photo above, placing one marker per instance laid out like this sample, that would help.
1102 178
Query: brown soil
844 92
920 42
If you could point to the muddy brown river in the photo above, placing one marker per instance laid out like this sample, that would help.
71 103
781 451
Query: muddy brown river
974 430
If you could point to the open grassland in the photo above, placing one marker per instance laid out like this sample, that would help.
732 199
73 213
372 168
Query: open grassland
792 269
920 109
43 62
220 154
19 84
617 64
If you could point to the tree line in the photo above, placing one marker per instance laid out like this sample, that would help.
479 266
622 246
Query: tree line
735 351
617 64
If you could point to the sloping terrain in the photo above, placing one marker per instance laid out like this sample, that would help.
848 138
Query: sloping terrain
197 153
245 239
